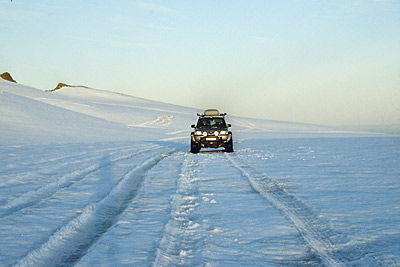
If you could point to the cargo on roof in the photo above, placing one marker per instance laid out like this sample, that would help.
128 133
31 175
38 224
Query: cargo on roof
211 113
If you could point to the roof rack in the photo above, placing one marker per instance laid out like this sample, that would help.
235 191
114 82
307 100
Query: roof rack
211 113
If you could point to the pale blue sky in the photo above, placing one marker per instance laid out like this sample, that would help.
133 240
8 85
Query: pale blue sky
314 61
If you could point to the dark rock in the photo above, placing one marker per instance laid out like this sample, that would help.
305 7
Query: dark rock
7 76
62 85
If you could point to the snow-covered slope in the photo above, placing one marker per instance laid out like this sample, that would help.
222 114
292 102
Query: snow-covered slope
94 178
76 114
80 114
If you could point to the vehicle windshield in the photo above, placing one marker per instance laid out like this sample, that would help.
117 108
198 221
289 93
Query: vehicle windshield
211 123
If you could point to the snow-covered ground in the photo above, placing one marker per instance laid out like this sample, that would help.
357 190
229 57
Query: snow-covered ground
90 177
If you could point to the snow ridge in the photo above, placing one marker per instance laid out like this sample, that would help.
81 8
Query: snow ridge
72 241
161 120
315 232
183 237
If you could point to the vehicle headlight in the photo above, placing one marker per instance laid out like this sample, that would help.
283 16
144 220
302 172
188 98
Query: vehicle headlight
223 132
198 133
216 133
204 133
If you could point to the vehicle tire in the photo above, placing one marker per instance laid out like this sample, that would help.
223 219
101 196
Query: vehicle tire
194 147
229 146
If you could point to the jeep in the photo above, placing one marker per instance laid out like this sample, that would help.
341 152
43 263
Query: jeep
211 131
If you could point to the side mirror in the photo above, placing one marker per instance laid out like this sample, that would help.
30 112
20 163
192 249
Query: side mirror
229 125
193 126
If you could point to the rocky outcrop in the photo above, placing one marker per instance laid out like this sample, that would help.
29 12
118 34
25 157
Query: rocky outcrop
62 85
7 76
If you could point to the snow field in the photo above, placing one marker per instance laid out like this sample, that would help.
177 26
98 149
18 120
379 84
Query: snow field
280 202
92 178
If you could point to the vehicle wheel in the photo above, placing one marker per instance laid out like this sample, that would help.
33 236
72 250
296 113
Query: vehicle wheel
229 146
194 147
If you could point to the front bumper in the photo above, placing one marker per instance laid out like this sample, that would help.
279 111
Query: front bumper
211 141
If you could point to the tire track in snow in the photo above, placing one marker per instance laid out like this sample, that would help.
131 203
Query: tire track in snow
34 165
71 242
39 174
183 238
41 194
143 220
315 231
329 244
64 159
